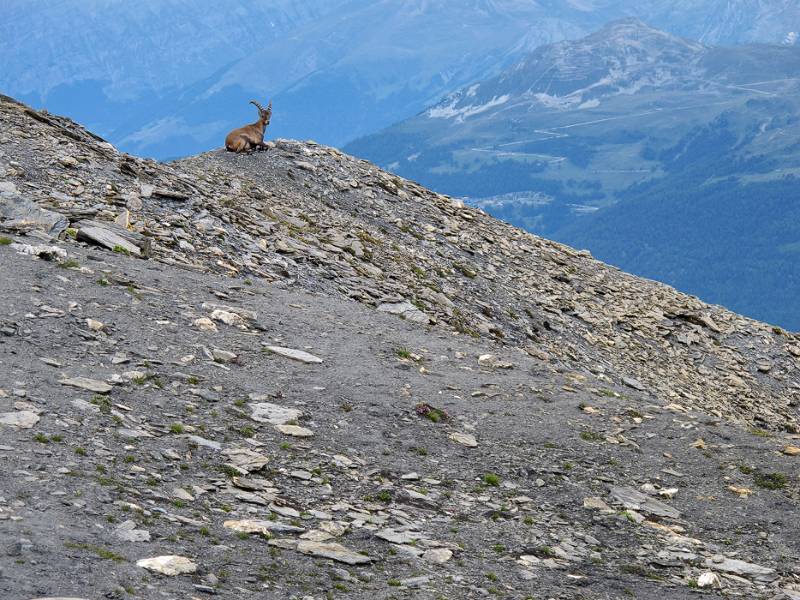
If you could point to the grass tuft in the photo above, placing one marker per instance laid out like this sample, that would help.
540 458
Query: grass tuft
491 479
69 264
770 481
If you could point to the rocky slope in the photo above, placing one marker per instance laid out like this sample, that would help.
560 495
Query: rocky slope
307 378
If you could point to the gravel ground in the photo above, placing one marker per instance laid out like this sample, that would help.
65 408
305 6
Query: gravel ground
547 439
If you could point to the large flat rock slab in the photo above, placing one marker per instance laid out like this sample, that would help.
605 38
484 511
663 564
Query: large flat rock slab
636 500
21 215
298 355
113 237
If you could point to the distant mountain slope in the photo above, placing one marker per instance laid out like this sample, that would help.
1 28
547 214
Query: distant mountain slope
720 22
150 44
112 61
631 114
169 77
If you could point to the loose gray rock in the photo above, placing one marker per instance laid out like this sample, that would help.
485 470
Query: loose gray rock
464 439
114 237
262 527
294 431
633 383
741 568
127 532
405 310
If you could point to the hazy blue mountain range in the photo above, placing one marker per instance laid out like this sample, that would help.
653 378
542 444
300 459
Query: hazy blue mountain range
170 77
669 158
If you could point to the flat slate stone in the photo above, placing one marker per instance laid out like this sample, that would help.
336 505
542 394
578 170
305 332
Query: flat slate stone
398 537
332 551
297 355
464 439
201 441
168 565
633 383
24 419
133 434
113 237
294 431
127 532
437 556
406 310
266 412
595 503
247 459
635 500
20 214
742 569
84 383
262 527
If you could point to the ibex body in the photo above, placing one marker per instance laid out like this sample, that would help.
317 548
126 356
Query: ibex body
250 137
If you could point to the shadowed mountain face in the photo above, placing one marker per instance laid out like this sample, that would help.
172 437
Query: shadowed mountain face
169 78
669 158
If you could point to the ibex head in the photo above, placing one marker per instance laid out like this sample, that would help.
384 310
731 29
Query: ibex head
264 114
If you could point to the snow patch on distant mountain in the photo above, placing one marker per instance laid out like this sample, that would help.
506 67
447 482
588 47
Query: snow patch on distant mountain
449 111
561 103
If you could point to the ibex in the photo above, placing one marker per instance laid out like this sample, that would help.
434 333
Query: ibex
250 137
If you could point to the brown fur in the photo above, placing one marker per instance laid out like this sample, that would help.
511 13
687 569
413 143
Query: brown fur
250 137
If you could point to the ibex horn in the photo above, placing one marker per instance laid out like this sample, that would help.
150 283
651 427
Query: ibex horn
258 106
